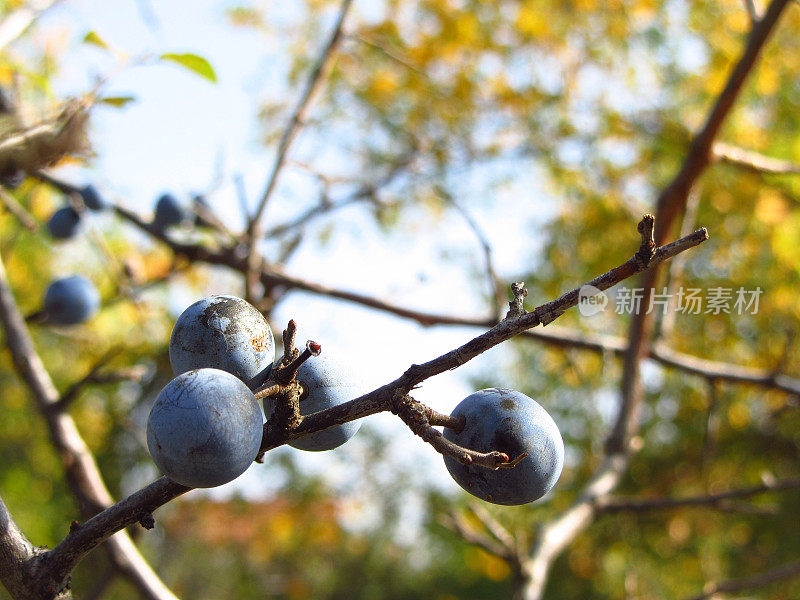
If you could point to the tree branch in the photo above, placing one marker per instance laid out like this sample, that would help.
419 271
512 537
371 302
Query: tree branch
496 287
457 523
18 21
671 202
273 275
136 508
732 586
141 504
611 505
81 471
315 80
753 161
383 398
15 208
17 556
556 535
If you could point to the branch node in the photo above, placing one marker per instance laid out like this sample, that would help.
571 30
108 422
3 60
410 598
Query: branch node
147 521
289 351
647 250
517 305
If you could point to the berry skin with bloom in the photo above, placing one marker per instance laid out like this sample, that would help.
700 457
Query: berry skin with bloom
508 421
223 332
205 428
326 383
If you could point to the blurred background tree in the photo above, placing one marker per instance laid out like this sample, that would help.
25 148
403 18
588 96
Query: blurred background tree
450 148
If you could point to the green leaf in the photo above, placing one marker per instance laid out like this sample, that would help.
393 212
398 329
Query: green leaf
118 101
197 64
95 40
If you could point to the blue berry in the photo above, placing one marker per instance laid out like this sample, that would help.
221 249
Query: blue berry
205 428
169 212
64 223
327 383
507 421
92 198
71 300
223 332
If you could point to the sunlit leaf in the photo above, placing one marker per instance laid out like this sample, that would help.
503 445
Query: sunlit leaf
193 62
95 40
118 101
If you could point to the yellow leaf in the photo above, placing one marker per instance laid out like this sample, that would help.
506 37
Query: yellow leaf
468 28
739 415
770 207
531 22
767 80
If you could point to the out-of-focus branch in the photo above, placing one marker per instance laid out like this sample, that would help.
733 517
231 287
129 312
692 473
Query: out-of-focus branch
316 78
15 208
17 22
365 191
671 202
35 147
75 389
754 161
676 267
752 11
81 471
273 275
496 286
610 505
557 534
255 228
494 527
732 586
457 522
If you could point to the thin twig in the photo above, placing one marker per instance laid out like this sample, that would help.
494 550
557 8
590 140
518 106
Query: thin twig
496 287
711 424
272 276
493 526
414 416
382 398
754 161
759 580
15 208
611 505
75 389
366 191
457 523
316 78
17 22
